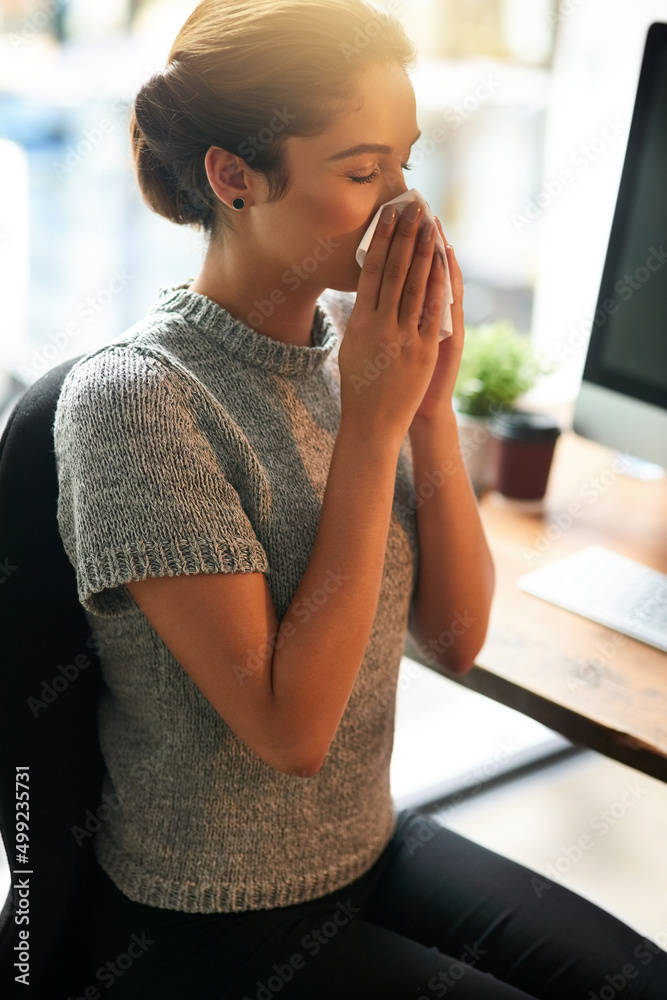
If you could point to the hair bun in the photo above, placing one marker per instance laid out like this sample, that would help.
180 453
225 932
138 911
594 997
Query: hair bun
162 142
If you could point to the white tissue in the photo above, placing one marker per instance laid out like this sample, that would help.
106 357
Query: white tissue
401 201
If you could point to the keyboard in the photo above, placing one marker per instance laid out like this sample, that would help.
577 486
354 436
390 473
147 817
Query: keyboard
607 588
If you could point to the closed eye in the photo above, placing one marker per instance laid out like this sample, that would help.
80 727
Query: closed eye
371 177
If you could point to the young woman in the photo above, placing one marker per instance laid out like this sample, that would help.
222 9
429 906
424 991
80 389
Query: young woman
238 481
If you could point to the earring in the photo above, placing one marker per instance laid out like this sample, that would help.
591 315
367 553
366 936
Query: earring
238 203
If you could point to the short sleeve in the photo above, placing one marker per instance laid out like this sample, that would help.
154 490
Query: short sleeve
141 488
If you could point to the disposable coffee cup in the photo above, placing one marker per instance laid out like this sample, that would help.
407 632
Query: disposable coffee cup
522 450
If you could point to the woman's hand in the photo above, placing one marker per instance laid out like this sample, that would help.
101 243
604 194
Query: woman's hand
437 400
388 355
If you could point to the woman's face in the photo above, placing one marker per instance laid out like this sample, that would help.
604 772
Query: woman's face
333 197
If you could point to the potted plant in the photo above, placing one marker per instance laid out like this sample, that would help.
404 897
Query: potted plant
498 365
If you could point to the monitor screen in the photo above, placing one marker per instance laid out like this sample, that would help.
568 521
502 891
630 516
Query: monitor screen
627 353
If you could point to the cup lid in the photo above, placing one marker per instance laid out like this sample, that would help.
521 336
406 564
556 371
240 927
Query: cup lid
520 425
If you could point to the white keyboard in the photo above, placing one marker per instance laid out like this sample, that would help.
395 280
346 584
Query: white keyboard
608 588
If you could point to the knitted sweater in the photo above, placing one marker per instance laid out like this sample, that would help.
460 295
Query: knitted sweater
196 444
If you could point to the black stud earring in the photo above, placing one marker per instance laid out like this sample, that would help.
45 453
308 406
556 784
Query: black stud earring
238 203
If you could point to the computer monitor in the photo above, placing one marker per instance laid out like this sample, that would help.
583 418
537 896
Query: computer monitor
622 401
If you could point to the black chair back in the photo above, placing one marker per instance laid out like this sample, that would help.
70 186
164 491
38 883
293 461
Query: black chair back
50 683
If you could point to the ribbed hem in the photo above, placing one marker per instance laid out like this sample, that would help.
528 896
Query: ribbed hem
197 897
170 557
241 340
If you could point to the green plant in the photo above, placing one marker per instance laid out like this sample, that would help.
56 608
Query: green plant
497 366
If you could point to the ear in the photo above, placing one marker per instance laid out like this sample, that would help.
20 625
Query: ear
227 174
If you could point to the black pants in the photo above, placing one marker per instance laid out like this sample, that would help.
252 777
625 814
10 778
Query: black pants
435 916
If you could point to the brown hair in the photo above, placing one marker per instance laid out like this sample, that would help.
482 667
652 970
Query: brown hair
244 75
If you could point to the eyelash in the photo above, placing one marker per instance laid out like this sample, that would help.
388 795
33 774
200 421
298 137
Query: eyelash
371 177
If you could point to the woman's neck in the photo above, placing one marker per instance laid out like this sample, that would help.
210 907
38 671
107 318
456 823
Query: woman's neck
254 293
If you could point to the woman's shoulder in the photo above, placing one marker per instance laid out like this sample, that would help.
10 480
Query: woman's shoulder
123 374
133 355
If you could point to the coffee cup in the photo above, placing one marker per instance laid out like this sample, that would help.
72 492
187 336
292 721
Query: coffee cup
522 450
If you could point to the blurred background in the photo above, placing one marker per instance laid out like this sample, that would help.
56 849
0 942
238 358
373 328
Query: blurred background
510 94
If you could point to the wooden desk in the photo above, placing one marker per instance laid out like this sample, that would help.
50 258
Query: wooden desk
590 683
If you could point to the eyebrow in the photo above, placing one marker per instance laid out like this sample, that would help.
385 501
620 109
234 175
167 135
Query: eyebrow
366 147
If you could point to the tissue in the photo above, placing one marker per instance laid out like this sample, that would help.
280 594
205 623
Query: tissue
401 201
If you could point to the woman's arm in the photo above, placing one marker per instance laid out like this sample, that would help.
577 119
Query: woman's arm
450 611
283 687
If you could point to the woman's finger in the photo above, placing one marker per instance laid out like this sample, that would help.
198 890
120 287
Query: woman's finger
370 279
416 279
429 324
456 279
397 267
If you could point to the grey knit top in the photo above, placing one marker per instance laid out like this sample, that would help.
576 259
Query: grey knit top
196 444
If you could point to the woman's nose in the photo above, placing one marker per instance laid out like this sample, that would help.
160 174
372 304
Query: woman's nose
398 188
393 190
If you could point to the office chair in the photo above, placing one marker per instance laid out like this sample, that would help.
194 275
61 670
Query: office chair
50 682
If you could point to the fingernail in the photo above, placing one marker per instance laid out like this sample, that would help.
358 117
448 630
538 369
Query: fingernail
389 213
437 261
425 232
412 211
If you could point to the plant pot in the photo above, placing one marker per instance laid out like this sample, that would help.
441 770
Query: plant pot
475 443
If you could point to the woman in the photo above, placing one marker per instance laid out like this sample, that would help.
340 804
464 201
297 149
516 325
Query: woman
237 490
